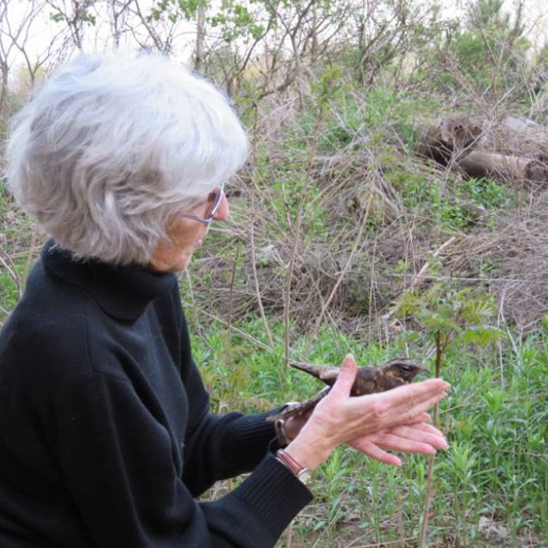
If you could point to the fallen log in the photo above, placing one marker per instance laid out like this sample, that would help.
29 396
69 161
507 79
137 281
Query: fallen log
450 140
432 145
482 163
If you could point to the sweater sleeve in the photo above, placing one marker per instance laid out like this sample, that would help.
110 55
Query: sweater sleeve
122 472
225 446
217 446
221 446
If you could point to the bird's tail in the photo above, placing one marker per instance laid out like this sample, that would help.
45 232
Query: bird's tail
325 373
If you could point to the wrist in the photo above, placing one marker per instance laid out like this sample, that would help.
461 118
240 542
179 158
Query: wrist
302 473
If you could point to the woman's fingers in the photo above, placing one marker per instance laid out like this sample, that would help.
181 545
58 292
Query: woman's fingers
345 380
408 397
422 418
375 452
405 445
411 413
415 438
409 435
401 405
418 395
426 404
422 425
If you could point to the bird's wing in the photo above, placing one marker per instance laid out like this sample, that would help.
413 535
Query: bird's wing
299 409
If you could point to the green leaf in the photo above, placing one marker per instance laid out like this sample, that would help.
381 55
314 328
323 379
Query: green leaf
483 335
57 17
408 304
438 324
477 311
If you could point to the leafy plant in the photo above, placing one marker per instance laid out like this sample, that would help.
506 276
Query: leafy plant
448 318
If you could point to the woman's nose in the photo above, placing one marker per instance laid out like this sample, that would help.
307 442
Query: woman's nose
223 212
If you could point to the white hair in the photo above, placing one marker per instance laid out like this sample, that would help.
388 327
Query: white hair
113 146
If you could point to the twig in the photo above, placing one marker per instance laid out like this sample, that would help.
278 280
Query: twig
441 345
535 455
228 345
239 331
424 523
252 242
256 276
341 277
289 535
9 265
419 278
401 529
484 279
30 254
293 256
379 544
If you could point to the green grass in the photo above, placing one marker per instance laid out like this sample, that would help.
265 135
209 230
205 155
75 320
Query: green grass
9 294
490 487
15 235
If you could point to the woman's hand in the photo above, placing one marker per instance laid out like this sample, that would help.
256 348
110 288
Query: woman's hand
340 419
419 437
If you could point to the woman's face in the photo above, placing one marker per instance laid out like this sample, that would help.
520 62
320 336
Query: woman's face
186 236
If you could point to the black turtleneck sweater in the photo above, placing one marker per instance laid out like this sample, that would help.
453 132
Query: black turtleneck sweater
106 437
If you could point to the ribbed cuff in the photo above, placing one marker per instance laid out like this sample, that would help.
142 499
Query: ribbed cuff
254 433
274 494
254 429
256 513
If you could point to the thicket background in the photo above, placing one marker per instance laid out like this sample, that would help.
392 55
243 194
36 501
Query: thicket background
342 238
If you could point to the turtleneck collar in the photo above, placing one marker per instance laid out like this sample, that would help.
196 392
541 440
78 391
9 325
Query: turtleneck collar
121 291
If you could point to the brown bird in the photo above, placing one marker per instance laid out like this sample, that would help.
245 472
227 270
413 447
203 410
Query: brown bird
369 380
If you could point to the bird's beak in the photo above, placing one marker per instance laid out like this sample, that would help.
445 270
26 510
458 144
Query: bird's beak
423 371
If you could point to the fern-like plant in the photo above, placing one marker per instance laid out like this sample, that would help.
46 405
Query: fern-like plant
446 317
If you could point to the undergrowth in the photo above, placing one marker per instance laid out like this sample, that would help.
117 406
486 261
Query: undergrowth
333 218
491 485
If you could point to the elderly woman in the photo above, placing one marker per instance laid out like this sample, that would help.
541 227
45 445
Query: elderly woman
106 435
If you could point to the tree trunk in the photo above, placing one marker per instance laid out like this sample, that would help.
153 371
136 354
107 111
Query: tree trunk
200 36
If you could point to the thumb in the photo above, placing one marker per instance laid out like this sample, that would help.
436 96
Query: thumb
346 377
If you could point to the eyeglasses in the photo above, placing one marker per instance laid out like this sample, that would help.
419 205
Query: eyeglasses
214 203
